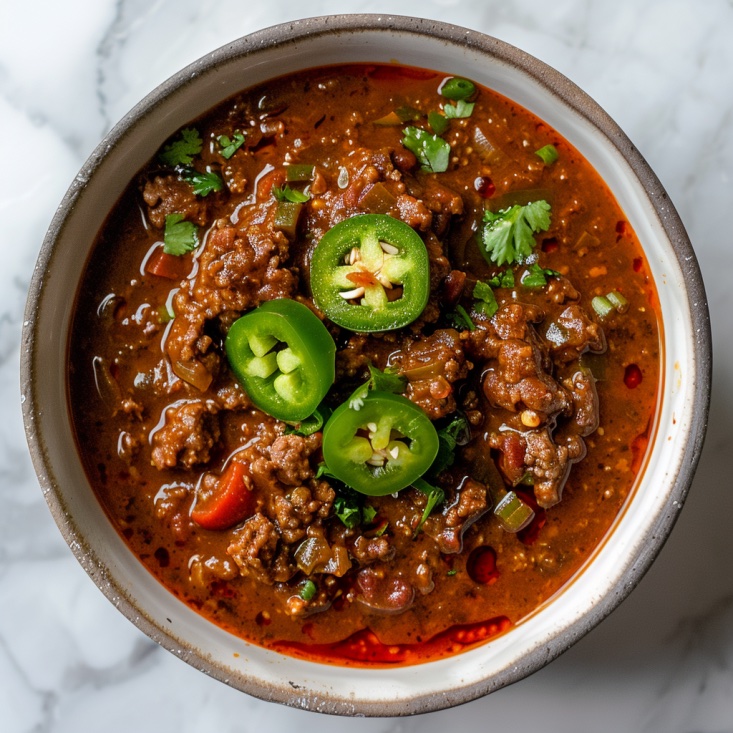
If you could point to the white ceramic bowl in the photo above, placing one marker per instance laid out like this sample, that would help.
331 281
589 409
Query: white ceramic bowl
639 531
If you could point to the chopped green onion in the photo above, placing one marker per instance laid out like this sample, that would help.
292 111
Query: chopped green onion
548 153
450 573
601 305
618 301
308 590
513 513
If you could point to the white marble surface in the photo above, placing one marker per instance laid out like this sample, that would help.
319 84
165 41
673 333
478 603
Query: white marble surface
663 662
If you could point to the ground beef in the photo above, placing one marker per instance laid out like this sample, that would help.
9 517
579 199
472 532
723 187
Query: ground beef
469 502
578 334
254 546
431 365
550 464
190 431
297 510
168 194
239 268
290 454
582 389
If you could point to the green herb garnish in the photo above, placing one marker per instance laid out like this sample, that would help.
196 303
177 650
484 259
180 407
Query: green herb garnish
432 151
311 424
229 145
438 122
180 236
308 590
203 183
435 495
181 150
536 276
548 153
458 110
384 381
504 279
508 235
485 299
460 319
456 432
285 193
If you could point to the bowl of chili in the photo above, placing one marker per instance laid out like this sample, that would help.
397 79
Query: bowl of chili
371 375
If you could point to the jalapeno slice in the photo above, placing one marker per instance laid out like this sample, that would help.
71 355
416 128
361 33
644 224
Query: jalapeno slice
371 273
284 358
382 447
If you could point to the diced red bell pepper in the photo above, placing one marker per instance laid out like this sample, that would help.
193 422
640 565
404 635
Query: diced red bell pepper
169 266
230 503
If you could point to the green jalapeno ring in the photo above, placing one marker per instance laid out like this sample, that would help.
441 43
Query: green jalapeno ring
382 447
365 256
284 358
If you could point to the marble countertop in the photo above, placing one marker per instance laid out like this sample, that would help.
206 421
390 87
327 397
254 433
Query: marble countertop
662 662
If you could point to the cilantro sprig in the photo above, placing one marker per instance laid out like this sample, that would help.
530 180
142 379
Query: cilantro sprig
508 235
458 110
203 183
179 236
384 381
432 151
485 300
229 145
285 193
536 276
180 150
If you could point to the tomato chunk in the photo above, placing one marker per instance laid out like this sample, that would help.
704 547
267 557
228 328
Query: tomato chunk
168 266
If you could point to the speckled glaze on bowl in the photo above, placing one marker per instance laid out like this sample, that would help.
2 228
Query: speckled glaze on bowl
638 533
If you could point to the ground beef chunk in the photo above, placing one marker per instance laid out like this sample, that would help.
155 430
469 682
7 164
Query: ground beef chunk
468 504
517 376
550 464
290 454
582 388
190 431
432 365
168 194
579 334
297 510
238 269
414 212
254 548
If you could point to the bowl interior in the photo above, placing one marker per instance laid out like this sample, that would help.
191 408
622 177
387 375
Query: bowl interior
638 532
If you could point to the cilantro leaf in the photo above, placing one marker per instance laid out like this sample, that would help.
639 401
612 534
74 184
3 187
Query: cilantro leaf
485 299
536 276
181 150
458 110
432 151
508 235
438 122
456 432
385 381
203 183
230 145
285 193
347 509
180 236
504 279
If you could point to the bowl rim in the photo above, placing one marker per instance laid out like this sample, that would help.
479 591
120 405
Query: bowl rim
569 94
